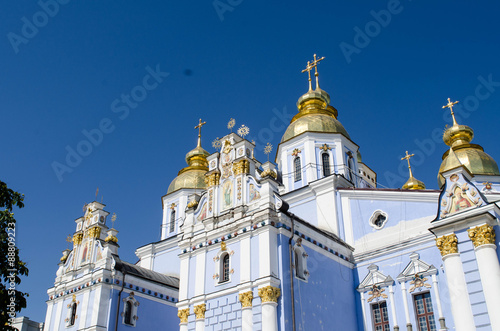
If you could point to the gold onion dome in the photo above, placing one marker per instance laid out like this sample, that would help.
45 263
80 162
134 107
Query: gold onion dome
315 115
192 176
412 183
472 156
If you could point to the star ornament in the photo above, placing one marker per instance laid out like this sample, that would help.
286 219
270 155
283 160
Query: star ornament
230 124
217 144
243 131
268 149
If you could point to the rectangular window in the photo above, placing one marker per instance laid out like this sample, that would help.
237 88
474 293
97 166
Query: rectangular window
380 317
423 311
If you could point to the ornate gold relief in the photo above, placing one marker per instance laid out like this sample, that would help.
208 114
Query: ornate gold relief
199 311
418 281
246 299
212 179
268 172
482 235
94 232
192 204
376 292
447 244
240 167
223 246
183 315
77 238
269 294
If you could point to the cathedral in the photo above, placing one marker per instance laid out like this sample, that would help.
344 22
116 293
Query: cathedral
307 242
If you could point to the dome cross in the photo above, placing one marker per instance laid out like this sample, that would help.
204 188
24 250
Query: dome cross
450 105
200 124
407 157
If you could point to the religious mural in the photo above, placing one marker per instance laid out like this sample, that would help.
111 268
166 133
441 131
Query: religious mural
227 194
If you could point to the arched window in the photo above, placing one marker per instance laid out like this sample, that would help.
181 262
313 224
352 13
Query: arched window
225 268
172 221
297 169
128 313
72 317
326 164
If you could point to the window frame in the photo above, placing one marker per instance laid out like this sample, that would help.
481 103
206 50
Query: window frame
297 169
172 221
426 313
134 304
325 166
383 322
224 270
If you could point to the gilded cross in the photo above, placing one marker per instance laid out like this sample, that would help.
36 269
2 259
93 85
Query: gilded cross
407 157
315 65
308 69
450 105
199 127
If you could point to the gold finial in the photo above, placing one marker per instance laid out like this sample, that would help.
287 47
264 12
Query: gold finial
113 220
308 69
243 131
200 124
230 124
267 150
450 105
217 144
69 239
407 157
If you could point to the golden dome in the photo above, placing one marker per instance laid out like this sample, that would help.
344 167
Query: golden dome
315 115
413 184
472 156
192 176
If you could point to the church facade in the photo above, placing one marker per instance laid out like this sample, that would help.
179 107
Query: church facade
306 243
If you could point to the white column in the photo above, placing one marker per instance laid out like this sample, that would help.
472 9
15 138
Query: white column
183 327
438 303
269 302
183 315
459 297
405 304
269 316
200 324
489 270
247 319
393 307
363 310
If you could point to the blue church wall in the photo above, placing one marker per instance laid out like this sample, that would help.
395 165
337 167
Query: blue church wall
322 302
307 211
152 315
213 285
167 261
223 313
362 210
392 265
473 280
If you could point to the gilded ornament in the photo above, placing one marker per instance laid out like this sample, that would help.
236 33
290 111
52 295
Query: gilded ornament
243 131
325 147
482 235
212 179
240 167
418 281
269 294
447 244
230 124
267 150
217 144
268 172
210 199
376 292
246 299
487 186
223 246
192 204
296 152
199 311
77 238
183 315
111 238
227 147
239 187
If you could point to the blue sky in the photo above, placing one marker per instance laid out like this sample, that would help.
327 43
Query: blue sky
70 74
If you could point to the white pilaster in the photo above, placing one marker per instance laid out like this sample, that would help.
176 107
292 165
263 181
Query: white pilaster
405 304
59 310
245 260
489 271
393 307
48 321
438 303
363 310
459 297
199 288
310 161
84 309
184 278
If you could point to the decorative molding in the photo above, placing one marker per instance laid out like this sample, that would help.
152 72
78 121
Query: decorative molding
296 152
268 172
199 311
269 294
212 179
418 282
77 238
376 292
325 147
241 167
183 315
447 244
192 204
373 279
246 299
482 235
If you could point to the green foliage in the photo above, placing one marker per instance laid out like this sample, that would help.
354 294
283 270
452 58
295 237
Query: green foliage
11 267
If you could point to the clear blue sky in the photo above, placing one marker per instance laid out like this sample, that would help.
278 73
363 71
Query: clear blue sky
245 62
